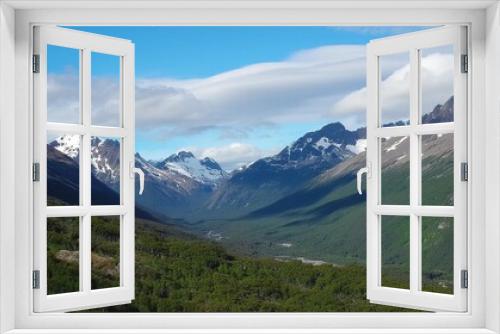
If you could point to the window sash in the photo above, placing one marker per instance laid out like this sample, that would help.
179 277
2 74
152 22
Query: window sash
86 297
414 297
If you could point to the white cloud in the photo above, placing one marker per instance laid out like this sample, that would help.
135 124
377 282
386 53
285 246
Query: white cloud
63 96
301 88
233 155
105 101
437 87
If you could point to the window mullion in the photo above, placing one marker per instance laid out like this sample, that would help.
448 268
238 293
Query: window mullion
415 260
86 180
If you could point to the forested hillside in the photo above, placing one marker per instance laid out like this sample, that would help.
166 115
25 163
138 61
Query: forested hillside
176 272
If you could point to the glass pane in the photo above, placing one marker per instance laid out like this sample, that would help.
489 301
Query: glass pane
105 159
394 90
437 169
63 84
436 77
395 251
105 252
437 254
395 174
63 255
63 169
105 90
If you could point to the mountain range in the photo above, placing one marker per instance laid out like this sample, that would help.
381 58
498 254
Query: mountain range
182 186
298 203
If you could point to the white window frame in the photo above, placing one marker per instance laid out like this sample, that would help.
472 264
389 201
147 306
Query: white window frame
86 44
483 315
411 44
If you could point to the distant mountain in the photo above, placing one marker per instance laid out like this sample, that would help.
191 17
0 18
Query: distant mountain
441 113
267 179
105 158
171 189
205 171
325 218
173 186
67 145
63 173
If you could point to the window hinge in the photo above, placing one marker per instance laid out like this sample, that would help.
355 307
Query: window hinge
36 279
464 279
36 63
464 171
465 63
36 172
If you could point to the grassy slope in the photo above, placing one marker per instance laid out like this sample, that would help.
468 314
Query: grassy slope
332 228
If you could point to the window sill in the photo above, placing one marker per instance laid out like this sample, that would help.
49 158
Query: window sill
254 331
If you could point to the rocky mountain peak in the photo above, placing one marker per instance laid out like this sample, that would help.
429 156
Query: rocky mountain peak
68 145
206 171
210 163
181 156
331 143
441 113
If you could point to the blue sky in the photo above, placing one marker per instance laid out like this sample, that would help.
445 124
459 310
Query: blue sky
239 93
192 52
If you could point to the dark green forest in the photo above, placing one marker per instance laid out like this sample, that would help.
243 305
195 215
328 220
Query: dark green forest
176 272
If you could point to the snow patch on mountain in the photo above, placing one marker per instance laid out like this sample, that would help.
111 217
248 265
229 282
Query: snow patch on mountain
105 159
396 144
357 148
324 143
206 170
68 145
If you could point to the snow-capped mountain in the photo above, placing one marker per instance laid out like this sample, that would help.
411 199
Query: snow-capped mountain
68 145
175 184
105 158
268 178
206 171
330 144
181 183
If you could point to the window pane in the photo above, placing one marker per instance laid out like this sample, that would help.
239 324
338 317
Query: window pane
395 251
105 90
63 169
394 93
105 252
63 84
395 174
437 254
63 255
105 159
437 169
436 77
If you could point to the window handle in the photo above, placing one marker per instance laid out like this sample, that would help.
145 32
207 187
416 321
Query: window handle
134 170
359 176
141 179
